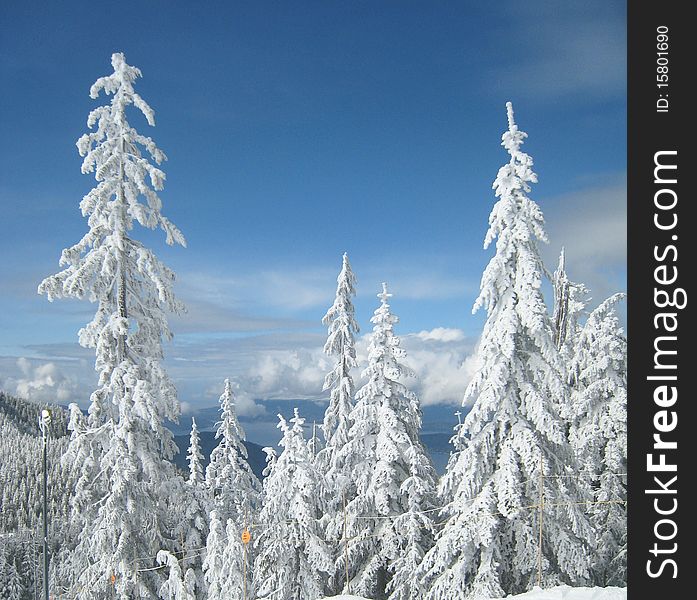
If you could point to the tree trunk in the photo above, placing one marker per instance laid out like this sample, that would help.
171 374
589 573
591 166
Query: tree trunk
121 298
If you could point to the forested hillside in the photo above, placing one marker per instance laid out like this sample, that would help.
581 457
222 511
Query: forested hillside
21 491
21 458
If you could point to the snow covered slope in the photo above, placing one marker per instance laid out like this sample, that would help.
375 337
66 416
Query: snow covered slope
563 592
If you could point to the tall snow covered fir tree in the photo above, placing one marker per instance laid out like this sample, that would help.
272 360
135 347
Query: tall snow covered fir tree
122 450
235 488
194 522
388 530
513 435
236 497
599 434
292 561
342 328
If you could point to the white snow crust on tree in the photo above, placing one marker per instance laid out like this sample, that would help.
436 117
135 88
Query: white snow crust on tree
213 562
387 529
292 559
570 299
236 498
178 586
599 433
235 488
489 544
123 448
194 457
193 524
342 328
227 565
563 592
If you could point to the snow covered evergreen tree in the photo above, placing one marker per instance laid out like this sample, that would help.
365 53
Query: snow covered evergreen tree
213 562
236 489
189 522
123 449
195 458
292 559
314 444
236 493
342 328
599 434
387 529
513 435
12 584
227 569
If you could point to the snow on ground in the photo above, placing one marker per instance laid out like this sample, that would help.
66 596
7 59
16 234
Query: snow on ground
563 592
344 597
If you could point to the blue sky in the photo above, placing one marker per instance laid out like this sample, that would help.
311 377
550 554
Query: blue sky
295 132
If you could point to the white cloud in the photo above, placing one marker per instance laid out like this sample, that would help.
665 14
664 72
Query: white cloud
43 382
592 227
570 50
273 366
441 358
203 316
297 289
289 374
441 334
245 405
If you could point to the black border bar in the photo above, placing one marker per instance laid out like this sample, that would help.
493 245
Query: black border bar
661 130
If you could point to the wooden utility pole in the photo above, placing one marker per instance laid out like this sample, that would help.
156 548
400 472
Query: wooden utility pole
245 541
346 556
541 508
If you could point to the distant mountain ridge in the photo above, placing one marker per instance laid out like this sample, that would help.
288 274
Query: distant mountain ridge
438 428
24 415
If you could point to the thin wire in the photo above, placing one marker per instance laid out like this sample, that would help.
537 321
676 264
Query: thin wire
360 537
264 526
